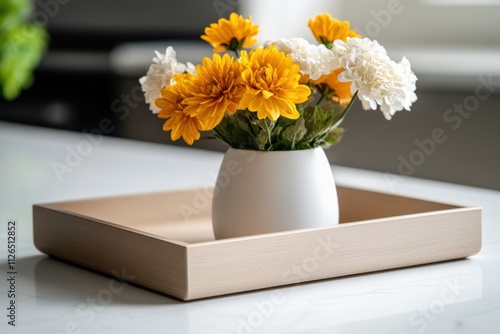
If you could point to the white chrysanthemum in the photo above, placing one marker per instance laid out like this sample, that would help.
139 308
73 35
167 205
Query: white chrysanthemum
314 60
377 79
160 74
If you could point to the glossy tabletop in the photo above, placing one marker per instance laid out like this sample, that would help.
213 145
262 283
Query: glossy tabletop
42 165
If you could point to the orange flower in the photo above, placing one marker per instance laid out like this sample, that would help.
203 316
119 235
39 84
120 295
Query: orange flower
233 34
327 29
272 84
215 90
341 90
172 107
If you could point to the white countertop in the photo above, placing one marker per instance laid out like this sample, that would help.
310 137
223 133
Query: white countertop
461 296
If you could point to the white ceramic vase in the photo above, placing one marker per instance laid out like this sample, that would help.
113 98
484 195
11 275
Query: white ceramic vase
262 192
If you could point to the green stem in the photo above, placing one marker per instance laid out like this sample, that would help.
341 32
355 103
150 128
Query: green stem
322 89
320 99
346 110
293 141
268 130
249 122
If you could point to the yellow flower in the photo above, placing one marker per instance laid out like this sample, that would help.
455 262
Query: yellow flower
341 90
272 84
327 29
216 89
232 34
172 108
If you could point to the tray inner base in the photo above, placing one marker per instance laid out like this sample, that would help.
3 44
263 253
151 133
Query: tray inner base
185 215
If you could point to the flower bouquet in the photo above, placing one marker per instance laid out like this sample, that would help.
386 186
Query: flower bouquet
277 106
286 95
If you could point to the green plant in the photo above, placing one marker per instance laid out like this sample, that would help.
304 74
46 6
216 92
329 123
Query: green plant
22 45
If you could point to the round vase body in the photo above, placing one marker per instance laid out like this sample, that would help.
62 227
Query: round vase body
272 191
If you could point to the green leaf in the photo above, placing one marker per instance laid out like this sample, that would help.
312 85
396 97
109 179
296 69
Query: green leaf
234 44
294 133
20 51
13 13
333 137
21 47
262 140
242 122
318 125
326 42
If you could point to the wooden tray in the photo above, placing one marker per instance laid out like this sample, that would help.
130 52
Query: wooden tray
164 241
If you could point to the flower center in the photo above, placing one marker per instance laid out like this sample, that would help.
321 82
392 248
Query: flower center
265 81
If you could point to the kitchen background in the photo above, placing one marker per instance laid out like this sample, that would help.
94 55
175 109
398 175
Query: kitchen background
99 49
